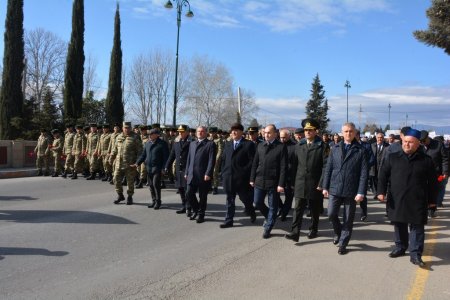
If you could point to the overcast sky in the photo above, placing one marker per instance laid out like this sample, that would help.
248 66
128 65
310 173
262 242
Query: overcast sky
275 48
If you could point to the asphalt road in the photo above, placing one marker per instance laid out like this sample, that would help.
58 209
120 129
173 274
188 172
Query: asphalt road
65 239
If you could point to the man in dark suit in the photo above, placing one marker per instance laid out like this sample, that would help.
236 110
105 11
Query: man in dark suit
237 158
308 162
284 208
155 155
345 182
413 182
436 150
199 171
179 153
268 176
377 150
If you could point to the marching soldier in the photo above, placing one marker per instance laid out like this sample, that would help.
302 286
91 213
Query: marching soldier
87 130
41 151
67 150
213 136
112 144
142 168
57 152
102 151
127 149
91 151
78 151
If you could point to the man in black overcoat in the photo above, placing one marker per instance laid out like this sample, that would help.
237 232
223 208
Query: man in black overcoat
308 163
237 158
199 171
378 149
345 183
413 180
179 153
268 176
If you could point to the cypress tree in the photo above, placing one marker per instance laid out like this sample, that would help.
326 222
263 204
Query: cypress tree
438 33
114 104
11 95
317 106
73 80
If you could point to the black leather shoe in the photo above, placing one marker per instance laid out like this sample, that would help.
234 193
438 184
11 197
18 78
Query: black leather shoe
266 234
312 234
363 218
181 211
75 176
139 185
151 205
336 239
397 253
342 250
120 197
193 217
283 217
226 225
293 236
253 217
417 261
129 200
200 219
157 205
215 191
188 213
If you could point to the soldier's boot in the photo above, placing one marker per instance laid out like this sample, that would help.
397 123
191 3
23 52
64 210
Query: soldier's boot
130 200
106 177
215 191
92 177
46 173
74 175
55 174
110 178
139 185
124 181
157 205
64 174
101 174
39 173
120 198
86 173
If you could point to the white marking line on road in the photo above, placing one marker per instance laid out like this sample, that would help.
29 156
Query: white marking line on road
422 274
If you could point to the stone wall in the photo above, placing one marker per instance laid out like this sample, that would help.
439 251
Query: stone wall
17 154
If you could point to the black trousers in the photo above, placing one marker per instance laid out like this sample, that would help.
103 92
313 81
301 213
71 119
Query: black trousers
203 190
299 209
154 182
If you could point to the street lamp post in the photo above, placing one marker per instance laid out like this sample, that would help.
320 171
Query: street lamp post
189 14
389 120
347 85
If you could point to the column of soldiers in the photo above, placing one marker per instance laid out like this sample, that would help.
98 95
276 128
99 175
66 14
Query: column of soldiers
315 167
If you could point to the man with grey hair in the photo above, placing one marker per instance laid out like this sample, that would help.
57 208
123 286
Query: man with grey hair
345 183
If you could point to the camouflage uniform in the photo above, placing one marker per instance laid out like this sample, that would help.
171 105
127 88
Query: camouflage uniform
142 167
67 151
91 153
79 152
102 151
126 151
42 152
112 144
216 175
56 149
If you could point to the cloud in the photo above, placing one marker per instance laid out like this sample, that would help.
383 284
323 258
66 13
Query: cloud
409 104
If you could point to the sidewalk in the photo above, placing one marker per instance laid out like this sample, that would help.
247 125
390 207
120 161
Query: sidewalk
17 172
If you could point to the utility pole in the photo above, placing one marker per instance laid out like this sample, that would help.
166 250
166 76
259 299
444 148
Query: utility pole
389 120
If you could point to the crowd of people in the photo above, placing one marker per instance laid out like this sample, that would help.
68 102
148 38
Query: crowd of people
299 168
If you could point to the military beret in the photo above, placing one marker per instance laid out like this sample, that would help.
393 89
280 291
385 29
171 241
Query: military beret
237 126
116 124
126 124
69 126
310 124
156 125
55 131
42 130
192 130
79 126
105 126
182 128
93 125
143 127
212 129
252 129
86 128
299 130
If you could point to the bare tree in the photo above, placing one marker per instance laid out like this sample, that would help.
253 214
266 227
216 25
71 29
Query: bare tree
211 93
46 56
141 94
91 82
